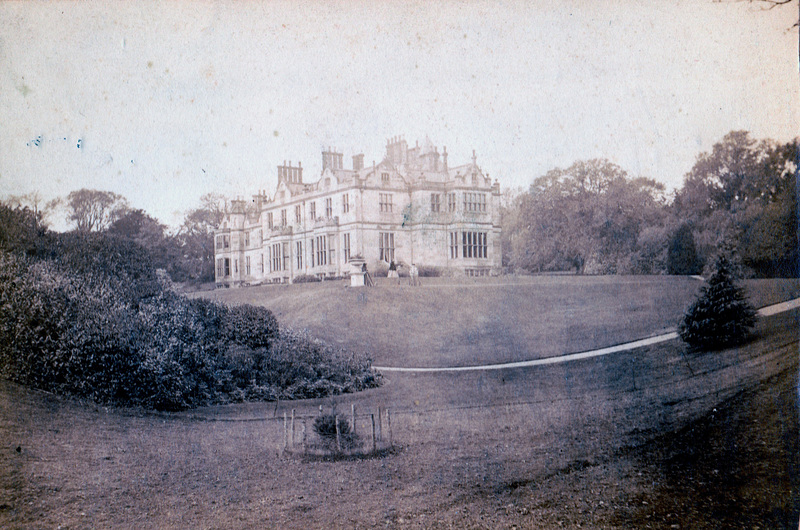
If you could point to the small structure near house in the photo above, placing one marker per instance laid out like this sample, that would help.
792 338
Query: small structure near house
357 271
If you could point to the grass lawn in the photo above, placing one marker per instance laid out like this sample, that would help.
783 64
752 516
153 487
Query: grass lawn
450 322
623 441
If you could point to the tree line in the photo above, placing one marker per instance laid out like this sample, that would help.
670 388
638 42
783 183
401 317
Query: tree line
186 253
593 217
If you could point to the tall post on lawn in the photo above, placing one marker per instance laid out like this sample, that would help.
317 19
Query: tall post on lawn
305 447
372 417
291 432
338 436
389 425
285 432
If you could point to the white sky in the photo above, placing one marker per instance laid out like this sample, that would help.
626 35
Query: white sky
173 100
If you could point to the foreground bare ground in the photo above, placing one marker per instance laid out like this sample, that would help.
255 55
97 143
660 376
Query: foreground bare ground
626 441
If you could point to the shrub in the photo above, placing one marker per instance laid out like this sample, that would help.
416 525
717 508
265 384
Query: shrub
249 325
429 271
325 427
76 333
721 316
305 278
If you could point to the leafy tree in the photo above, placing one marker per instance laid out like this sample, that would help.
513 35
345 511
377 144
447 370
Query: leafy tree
195 238
721 316
94 210
587 215
682 255
743 191
21 231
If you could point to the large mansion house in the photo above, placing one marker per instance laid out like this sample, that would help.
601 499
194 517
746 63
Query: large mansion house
411 208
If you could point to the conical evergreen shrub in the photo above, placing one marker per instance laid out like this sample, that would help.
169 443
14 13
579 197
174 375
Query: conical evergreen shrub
721 316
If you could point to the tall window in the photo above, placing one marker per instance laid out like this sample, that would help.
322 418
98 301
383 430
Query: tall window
475 202
346 247
453 245
299 253
473 244
247 239
345 203
386 202
287 257
236 266
298 214
276 257
384 178
270 221
451 202
223 241
332 249
328 208
262 263
220 268
434 202
313 260
313 210
227 266
260 237
322 255
283 217
386 246
247 265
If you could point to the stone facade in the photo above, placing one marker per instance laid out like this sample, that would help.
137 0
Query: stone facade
411 208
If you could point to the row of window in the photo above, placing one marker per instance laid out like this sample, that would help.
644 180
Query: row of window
322 252
312 211
472 245
473 202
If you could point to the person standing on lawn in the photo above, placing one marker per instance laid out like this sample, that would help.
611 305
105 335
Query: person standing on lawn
393 271
414 275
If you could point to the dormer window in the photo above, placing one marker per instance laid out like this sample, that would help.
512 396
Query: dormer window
384 178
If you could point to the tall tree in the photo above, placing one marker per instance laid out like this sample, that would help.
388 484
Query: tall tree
743 192
589 214
195 238
94 210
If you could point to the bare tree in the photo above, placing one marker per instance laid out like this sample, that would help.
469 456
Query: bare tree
94 210
33 201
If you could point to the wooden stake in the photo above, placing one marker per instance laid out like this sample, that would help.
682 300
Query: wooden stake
389 424
305 447
291 436
285 432
380 425
372 417
338 437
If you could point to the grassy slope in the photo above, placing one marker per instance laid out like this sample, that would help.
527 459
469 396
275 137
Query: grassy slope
450 323
536 448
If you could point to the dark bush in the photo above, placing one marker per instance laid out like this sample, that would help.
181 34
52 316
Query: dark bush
721 316
305 278
429 271
682 255
325 427
249 326
78 333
